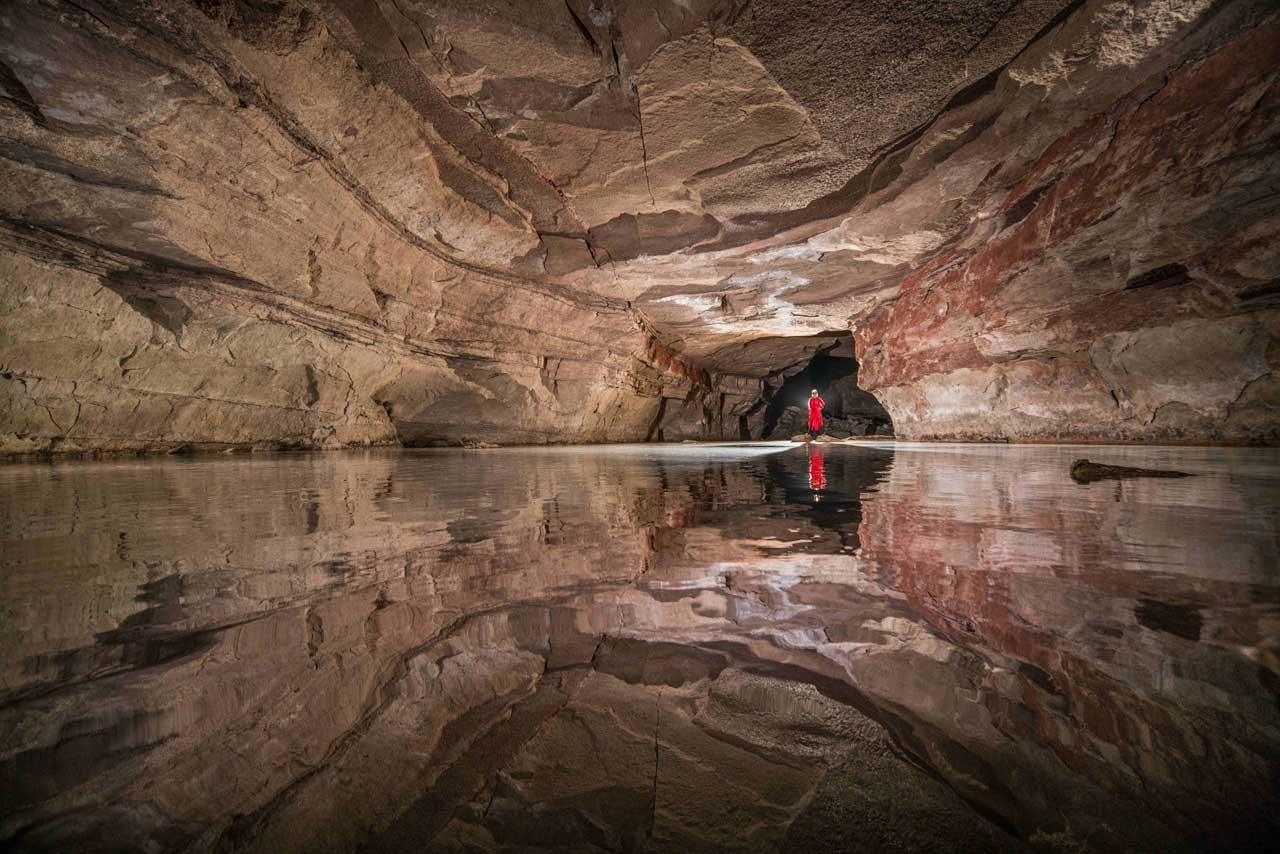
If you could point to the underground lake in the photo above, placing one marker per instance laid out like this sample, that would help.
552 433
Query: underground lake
761 646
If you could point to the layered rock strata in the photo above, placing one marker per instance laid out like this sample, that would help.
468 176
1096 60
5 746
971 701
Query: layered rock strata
1125 287
313 223
188 263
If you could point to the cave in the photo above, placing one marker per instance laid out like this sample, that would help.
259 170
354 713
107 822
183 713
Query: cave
848 411
403 445
233 225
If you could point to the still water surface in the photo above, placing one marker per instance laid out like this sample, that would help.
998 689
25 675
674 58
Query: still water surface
882 647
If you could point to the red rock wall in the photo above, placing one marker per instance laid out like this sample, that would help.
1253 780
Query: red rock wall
1126 288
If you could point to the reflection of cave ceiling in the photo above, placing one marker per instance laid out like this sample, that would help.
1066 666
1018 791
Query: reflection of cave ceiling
922 649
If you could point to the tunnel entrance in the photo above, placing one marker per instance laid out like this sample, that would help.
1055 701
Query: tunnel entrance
849 411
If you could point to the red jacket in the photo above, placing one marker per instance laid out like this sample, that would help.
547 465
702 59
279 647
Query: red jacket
815 413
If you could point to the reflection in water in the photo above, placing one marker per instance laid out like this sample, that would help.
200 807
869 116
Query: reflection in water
641 648
817 475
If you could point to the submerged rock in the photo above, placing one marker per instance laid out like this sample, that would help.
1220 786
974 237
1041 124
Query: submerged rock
1084 471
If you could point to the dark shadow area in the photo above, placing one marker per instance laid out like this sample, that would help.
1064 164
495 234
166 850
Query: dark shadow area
849 411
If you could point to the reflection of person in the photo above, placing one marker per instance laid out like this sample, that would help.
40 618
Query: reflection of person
817 476
815 413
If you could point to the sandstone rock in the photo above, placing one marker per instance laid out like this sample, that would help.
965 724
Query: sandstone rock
321 224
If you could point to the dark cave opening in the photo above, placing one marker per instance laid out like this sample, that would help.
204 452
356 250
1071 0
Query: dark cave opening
849 411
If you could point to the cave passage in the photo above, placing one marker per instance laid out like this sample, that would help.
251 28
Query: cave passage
849 411
545 285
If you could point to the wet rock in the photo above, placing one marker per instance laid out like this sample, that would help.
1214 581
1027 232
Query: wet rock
1084 471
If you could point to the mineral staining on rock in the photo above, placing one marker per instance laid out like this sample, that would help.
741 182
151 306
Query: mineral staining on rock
310 223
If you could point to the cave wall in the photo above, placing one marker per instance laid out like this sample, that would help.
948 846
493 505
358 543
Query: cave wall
1126 287
104 352
186 263
311 223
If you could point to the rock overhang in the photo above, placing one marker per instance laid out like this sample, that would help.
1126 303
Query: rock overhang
531 199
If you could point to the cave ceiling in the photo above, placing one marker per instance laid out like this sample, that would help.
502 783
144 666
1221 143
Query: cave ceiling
321 223
733 170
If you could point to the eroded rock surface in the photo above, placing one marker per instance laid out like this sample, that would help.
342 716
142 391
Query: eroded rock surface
320 223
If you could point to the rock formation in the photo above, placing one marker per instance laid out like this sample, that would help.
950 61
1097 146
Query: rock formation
232 223
1085 471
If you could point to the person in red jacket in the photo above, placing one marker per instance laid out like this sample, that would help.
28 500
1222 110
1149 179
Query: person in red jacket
815 412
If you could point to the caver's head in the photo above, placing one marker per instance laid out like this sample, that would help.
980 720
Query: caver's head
813 392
